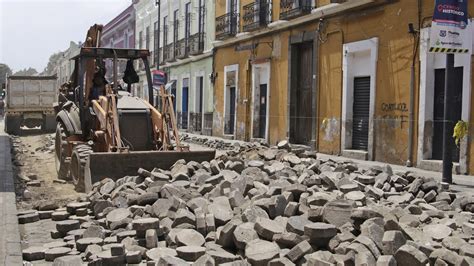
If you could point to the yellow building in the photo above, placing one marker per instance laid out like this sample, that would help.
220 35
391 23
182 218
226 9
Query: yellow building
336 75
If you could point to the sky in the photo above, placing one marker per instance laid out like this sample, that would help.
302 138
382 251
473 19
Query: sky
32 30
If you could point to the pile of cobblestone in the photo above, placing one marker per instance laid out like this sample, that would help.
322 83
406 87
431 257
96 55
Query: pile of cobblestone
219 144
262 206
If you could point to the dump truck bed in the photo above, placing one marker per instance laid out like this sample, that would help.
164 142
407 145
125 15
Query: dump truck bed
31 93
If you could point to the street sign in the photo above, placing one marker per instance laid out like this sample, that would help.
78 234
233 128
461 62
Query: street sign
450 30
159 77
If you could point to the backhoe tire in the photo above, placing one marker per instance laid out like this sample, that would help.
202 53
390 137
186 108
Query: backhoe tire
61 159
13 124
80 155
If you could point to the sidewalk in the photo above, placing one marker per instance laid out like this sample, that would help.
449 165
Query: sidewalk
462 183
10 247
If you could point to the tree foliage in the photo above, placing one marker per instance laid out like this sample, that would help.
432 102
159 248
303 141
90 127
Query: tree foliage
26 72
52 63
4 71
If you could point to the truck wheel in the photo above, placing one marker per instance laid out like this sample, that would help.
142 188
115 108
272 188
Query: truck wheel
79 158
60 148
49 124
12 124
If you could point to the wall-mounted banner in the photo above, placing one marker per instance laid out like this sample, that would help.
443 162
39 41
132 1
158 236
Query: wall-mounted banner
451 30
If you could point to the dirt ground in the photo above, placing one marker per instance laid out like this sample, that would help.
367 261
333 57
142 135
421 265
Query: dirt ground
34 161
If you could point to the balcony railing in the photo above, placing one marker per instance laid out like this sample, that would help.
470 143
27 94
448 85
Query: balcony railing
168 53
196 43
181 50
256 15
227 25
294 8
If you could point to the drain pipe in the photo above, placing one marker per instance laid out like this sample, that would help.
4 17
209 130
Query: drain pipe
409 162
416 40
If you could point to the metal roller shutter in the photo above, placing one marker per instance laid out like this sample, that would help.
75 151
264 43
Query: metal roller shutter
360 126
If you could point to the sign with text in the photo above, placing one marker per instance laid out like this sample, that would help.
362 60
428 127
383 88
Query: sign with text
450 30
159 78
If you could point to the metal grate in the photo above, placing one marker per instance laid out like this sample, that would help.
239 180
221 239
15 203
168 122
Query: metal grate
196 43
294 8
360 109
256 15
226 25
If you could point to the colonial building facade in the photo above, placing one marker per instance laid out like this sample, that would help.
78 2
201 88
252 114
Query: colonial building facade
65 66
145 33
187 36
335 75
119 33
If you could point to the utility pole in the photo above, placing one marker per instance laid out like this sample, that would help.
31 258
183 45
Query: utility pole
157 52
450 35
448 123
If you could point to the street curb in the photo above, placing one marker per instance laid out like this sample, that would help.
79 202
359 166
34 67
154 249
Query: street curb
10 245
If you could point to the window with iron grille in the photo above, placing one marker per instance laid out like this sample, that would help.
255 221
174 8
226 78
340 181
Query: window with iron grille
126 40
165 31
140 40
187 26
201 16
147 36
175 26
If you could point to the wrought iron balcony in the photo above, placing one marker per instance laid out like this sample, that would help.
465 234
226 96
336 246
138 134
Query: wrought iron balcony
168 53
227 25
294 8
181 50
196 43
256 15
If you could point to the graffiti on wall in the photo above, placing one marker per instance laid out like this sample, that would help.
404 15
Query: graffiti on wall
395 114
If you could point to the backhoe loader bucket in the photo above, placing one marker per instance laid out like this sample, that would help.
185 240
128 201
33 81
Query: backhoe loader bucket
117 165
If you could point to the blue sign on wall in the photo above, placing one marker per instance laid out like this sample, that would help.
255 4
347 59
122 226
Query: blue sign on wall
451 12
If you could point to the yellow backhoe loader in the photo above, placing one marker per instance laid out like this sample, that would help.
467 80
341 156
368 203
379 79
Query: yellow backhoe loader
105 132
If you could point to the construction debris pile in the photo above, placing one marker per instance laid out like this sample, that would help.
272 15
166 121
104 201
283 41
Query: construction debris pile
219 144
263 206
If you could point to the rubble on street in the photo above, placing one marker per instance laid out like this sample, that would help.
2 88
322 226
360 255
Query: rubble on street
257 205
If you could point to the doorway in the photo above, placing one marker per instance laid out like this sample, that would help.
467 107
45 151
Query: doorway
185 104
173 93
301 94
359 75
438 111
260 100
199 103
230 99
233 9
230 117
360 111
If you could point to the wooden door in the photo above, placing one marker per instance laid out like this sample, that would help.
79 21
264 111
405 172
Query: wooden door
301 113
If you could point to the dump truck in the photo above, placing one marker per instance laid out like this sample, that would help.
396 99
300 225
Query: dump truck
29 102
103 131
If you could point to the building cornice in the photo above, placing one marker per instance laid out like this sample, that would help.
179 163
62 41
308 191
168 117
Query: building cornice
190 59
127 13
316 14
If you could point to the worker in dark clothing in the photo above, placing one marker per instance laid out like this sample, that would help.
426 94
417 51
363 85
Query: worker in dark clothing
98 84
